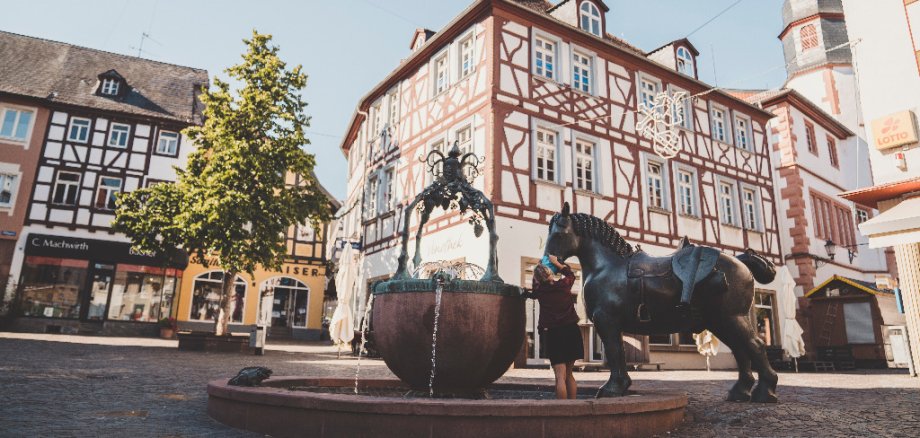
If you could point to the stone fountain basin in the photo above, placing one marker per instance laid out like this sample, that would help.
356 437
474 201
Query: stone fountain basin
480 331
276 410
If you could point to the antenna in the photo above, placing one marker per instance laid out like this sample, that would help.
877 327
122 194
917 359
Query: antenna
140 48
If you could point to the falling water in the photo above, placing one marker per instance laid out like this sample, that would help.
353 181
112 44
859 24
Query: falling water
434 334
364 322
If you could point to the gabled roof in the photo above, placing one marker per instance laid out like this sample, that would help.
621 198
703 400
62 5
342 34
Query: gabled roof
68 74
860 285
681 42
427 33
770 97
600 3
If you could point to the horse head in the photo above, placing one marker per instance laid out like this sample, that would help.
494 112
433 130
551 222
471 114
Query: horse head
562 241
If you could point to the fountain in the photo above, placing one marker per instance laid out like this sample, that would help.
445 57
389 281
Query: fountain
448 337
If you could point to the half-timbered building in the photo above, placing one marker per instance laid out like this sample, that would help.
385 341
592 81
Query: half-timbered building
551 101
114 124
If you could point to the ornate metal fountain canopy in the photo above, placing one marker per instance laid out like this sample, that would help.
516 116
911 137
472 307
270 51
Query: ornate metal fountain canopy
451 189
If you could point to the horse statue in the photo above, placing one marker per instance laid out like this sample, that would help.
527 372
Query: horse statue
626 290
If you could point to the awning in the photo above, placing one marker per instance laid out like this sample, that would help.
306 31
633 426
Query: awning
896 226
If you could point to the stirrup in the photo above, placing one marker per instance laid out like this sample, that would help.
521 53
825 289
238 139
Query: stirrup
642 313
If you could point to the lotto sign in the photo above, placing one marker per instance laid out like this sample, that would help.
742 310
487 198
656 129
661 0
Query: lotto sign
894 130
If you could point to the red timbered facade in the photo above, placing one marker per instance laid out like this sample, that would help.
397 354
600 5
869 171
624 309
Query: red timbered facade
550 101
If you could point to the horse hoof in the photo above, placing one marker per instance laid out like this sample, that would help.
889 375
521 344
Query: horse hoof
764 396
607 393
738 396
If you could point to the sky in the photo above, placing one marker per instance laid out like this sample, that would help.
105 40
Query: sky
347 46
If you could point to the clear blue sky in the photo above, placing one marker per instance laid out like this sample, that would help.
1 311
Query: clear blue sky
347 46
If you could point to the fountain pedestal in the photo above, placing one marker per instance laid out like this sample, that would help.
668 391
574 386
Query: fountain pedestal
480 331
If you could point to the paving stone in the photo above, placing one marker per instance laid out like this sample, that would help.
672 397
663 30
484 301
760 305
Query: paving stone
127 390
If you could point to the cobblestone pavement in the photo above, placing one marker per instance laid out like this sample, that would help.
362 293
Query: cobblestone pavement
146 388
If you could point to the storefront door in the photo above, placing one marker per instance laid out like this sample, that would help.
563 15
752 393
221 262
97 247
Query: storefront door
281 309
95 298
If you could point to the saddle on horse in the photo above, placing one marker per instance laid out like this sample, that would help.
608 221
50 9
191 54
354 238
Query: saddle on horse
690 264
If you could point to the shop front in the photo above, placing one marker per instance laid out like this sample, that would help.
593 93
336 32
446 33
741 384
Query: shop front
77 285
289 302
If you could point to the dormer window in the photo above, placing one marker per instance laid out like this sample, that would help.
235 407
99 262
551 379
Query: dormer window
590 18
685 62
111 84
110 87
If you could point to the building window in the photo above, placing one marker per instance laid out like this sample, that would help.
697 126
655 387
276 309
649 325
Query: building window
685 192
441 77
373 185
15 124
286 303
79 130
118 136
110 86
439 145
389 189
545 58
809 37
763 315
861 215
464 138
466 56
584 165
7 189
743 133
685 62
681 112
833 221
810 140
376 120
727 202
206 293
749 208
718 125
393 111
656 184
832 151
546 155
106 191
66 188
648 91
581 72
590 18
167 143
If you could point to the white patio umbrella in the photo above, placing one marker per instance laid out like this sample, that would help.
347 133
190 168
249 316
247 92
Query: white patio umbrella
793 344
342 326
707 344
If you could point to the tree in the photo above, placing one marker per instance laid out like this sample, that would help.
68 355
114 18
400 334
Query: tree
233 202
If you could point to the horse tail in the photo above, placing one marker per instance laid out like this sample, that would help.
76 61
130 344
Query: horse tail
764 271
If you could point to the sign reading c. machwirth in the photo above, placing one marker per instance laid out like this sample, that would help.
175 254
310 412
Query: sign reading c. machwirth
99 250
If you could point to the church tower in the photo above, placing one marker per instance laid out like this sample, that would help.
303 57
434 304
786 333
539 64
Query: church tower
826 77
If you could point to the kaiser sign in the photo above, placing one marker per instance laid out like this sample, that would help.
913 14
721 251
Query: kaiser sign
894 130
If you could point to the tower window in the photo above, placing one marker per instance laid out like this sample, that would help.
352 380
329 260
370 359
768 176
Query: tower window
590 18
809 37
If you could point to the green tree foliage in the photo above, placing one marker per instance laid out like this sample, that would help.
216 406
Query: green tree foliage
235 200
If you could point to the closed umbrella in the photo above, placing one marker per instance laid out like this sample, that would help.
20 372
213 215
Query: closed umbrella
707 344
793 344
341 327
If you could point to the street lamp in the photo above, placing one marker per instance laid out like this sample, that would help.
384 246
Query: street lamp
831 249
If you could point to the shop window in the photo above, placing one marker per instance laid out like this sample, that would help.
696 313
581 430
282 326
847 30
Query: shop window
51 286
206 298
142 293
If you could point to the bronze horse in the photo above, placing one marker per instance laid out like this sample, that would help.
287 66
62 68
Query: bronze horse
626 290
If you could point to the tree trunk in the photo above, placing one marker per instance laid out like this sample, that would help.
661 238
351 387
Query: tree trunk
222 322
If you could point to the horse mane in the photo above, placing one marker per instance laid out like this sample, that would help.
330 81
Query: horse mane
599 230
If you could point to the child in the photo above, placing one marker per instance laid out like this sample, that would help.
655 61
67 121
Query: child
558 323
